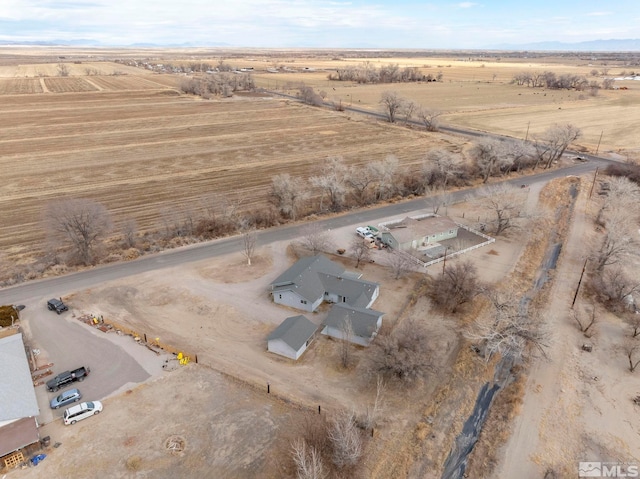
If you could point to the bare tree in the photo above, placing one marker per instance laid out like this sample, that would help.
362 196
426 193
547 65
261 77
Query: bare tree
457 285
510 331
346 440
332 181
633 320
440 199
360 179
391 105
129 233
429 118
360 250
518 154
309 96
486 153
586 324
506 203
408 110
404 354
621 203
249 245
400 264
387 174
619 242
308 461
315 239
631 348
80 223
370 419
551 145
346 330
63 70
613 287
288 195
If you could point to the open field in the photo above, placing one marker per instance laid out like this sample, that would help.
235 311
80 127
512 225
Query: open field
132 142
142 154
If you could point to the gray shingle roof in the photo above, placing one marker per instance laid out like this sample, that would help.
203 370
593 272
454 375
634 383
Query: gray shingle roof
302 277
363 321
357 292
294 331
312 276
17 396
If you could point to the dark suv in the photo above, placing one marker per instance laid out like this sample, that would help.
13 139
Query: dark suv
57 306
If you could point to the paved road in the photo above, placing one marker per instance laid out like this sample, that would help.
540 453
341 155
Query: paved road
42 290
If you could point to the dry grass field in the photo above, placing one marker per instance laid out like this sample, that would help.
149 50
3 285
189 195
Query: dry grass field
142 153
126 137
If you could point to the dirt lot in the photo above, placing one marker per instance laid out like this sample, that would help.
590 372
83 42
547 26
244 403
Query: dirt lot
220 310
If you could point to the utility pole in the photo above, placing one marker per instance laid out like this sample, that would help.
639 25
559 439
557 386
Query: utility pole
527 135
595 175
598 147
444 262
575 296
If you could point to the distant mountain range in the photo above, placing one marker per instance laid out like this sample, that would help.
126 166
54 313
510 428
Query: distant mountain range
82 42
622 45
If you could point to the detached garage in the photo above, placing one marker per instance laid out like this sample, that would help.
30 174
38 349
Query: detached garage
292 337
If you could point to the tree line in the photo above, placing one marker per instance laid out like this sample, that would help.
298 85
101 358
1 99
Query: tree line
553 81
390 73
78 228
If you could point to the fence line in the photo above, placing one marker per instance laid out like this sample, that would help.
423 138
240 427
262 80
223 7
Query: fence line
424 264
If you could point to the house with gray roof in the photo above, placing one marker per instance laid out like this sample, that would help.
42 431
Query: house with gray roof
292 337
363 322
18 403
315 279
418 232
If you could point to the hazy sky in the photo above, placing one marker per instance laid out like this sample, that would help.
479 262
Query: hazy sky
320 23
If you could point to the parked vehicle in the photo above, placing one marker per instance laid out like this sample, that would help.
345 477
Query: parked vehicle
67 377
67 397
364 232
81 411
57 305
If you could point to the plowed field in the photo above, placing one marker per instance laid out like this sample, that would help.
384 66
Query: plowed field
67 84
19 86
142 153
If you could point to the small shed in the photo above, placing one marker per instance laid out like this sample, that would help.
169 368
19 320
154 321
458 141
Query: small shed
364 323
292 337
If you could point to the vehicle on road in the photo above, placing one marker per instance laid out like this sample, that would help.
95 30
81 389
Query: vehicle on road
57 305
67 397
81 411
67 377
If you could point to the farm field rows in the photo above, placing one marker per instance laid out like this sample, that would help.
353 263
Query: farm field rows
144 154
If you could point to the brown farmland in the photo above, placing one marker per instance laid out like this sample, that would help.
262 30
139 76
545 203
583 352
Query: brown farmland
141 153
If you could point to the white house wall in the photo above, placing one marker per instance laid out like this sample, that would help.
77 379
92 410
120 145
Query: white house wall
289 298
278 346
338 334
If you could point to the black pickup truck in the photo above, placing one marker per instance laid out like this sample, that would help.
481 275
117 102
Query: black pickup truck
67 377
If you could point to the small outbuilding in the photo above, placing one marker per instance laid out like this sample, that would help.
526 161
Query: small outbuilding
292 337
363 324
